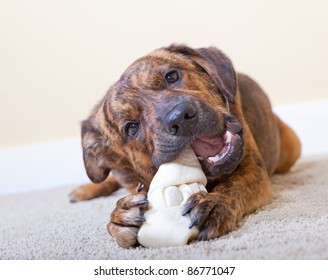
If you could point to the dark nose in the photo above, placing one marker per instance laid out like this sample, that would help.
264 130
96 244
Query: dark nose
182 119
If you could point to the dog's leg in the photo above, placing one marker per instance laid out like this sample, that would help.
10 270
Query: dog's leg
240 193
89 191
290 147
126 219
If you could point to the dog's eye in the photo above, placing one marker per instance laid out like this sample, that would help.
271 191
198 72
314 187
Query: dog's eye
131 128
172 76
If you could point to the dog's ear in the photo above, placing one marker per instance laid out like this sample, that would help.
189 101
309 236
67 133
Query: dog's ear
216 64
95 152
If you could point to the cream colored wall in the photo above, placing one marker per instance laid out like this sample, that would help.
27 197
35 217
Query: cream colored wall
57 58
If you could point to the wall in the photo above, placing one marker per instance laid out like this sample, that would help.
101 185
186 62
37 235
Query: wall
58 58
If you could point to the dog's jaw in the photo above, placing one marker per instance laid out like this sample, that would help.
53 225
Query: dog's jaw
225 155
218 152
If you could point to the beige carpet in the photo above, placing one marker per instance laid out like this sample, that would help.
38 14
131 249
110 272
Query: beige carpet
45 225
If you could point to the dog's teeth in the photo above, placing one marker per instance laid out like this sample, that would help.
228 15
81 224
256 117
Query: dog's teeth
225 149
214 159
229 137
200 158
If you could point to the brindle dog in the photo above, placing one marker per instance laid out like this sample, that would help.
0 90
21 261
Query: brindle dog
173 98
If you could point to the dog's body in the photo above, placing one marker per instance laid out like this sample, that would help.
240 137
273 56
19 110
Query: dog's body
171 99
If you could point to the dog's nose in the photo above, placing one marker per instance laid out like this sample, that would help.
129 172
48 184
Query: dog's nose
182 119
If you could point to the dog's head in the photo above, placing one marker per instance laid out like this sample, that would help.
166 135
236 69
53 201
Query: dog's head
173 98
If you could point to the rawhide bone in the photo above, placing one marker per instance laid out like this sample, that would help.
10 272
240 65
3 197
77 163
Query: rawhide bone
169 190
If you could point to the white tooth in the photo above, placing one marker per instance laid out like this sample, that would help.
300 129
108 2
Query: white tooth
224 150
229 136
214 159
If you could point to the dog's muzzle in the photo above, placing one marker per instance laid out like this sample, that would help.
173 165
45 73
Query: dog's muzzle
218 150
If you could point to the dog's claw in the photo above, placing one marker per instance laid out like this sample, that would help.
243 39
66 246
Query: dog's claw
186 210
126 219
139 220
140 187
202 236
189 206
192 223
72 199
142 202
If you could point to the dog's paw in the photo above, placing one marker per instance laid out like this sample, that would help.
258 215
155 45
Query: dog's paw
82 193
91 190
210 214
126 219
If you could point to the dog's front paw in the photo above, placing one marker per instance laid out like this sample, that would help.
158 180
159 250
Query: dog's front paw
126 219
210 214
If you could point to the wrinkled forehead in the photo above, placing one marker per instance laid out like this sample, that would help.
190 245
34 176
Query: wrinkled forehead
143 82
154 66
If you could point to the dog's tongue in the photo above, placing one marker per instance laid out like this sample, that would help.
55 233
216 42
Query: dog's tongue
208 146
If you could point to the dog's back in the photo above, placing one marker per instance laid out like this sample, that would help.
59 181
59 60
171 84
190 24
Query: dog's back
276 141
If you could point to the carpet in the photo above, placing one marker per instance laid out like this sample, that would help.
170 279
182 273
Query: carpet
44 225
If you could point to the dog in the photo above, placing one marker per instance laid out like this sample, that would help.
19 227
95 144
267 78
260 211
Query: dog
173 98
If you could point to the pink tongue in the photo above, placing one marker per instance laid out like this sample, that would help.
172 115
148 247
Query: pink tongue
208 146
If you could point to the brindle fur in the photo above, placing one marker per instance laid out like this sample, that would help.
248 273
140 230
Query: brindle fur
113 159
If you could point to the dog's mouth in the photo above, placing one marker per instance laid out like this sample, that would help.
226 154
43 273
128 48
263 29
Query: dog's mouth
213 149
219 154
